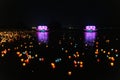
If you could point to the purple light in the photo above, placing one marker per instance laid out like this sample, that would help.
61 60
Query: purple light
91 28
42 28
42 36
90 37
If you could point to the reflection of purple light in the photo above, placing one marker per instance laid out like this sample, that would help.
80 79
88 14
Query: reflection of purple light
42 28
90 37
93 28
43 36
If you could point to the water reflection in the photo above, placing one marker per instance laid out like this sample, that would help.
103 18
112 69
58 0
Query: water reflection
43 37
90 38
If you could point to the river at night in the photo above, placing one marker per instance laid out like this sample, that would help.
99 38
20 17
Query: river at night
60 55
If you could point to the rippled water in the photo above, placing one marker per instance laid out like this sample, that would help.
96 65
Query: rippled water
60 55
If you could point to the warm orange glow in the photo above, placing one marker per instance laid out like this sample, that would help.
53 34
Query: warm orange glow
75 62
18 53
116 50
66 51
96 46
112 64
98 60
53 65
2 55
77 52
112 58
97 42
69 73
69 57
81 66
36 55
81 63
8 49
24 64
27 60
108 52
107 41
75 65
96 52
104 51
46 46
22 60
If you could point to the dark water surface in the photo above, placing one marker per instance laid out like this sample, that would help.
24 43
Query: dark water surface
60 55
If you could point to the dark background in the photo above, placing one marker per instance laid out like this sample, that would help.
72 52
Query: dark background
27 13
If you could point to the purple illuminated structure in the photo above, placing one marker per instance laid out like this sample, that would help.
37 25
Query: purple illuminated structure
90 28
90 38
42 28
42 37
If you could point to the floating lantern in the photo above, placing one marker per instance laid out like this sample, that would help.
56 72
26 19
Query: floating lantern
69 73
81 66
112 64
53 65
24 64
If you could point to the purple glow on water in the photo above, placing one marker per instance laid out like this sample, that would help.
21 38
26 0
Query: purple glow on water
90 38
93 28
41 28
42 36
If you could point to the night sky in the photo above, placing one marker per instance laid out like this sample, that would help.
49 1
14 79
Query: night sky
75 12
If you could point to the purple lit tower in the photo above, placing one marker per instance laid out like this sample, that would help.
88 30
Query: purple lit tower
90 28
42 28
90 38
42 37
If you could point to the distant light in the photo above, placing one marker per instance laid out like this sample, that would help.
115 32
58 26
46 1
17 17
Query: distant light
42 28
90 28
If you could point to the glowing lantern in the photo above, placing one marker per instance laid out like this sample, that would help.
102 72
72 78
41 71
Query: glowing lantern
108 53
104 51
69 57
46 46
66 51
112 64
36 55
81 63
69 73
77 52
107 41
53 65
98 60
96 52
8 49
24 64
97 43
19 55
112 58
22 60
75 65
116 50
101 50
2 55
81 66
27 60
75 62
